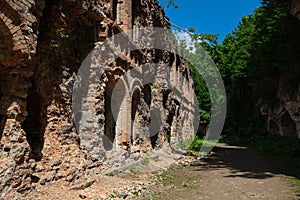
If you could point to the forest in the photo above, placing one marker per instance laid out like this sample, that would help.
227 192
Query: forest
259 58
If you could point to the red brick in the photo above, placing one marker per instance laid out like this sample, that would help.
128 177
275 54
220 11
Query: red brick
14 29
20 47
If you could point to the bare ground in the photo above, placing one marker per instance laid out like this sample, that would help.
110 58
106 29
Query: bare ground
231 173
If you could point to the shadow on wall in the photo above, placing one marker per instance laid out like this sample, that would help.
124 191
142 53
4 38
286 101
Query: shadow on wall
55 64
2 117
35 124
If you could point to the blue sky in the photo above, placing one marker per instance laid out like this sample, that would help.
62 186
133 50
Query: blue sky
217 16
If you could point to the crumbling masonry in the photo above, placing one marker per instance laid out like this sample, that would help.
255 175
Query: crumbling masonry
42 46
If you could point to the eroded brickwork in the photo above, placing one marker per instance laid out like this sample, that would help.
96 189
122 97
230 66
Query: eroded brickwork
42 46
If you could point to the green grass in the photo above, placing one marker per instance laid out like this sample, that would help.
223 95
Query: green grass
165 178
295 183
134 169
145 161
188 182
196 144
154 196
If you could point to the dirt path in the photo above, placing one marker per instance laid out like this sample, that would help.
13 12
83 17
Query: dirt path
233 173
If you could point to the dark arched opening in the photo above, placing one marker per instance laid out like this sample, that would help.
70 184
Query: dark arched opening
110 122
170 118
172 59
186 74
147 94
155 125
134 107
166 94
114 9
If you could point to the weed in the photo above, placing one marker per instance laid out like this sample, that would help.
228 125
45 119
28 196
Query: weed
54 44
295 183
145 161
61 32
135 193
184 145
165 178
114 194
134 169
154 196
188 182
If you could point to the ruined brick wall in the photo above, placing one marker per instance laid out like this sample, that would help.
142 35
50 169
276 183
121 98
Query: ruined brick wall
18 31
42 45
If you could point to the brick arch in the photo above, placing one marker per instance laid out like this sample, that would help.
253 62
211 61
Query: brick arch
121 98
8 14
135 102
11 37
135 84
6 42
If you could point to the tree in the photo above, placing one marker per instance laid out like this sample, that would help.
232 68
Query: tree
257 58
171 3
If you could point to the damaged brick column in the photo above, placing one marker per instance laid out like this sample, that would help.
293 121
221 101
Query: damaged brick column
18 37
124 14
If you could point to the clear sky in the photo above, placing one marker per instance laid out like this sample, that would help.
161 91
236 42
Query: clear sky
210 16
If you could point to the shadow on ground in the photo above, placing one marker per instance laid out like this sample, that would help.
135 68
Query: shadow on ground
246 163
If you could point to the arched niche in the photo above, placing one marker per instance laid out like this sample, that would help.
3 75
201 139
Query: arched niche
135 102
110 119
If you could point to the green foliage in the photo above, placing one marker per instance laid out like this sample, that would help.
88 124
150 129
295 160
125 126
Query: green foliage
295 183
154 196
184 144
134 169
60 35
204 47
171 3
165 178
196 144
262 51
260 55
203 96
61 32
54 44
192 30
